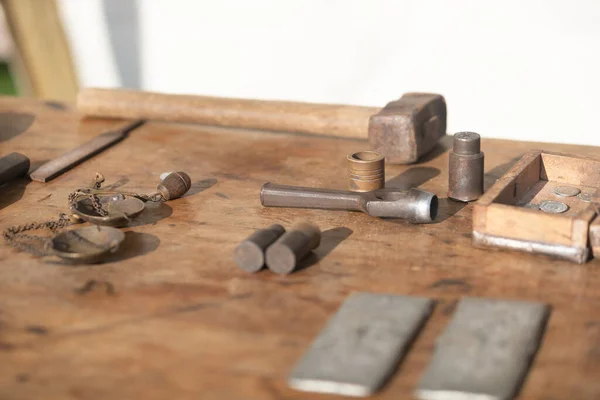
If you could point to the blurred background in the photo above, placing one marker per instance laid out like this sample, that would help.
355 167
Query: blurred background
515 69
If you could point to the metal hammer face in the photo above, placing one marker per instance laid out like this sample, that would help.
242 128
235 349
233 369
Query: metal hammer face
408 128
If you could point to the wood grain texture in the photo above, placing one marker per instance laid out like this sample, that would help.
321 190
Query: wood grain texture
42 49
504 192
527 224
564 168
172 316
284 116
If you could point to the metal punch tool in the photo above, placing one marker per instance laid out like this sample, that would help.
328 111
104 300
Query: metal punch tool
414 205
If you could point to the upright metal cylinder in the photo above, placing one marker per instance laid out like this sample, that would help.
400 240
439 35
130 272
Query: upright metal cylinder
366 171
250 254
282 257
465 170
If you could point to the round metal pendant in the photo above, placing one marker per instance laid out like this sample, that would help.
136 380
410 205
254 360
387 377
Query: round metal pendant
553 207
566 191
587 197
87 245
120 209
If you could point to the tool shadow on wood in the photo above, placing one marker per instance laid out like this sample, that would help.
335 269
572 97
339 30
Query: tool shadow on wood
495 173
96 286
412 178
12 191
417 176
201 186
136 244
448 208
153 212
330 239
13 124
117 184
442 146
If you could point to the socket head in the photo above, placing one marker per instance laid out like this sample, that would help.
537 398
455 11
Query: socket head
414 205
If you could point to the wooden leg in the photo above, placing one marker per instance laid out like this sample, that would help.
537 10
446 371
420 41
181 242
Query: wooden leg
45 65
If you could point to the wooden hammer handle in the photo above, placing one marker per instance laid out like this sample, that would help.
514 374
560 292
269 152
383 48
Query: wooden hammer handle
317 119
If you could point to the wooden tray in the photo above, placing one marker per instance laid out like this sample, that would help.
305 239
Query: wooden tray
501 219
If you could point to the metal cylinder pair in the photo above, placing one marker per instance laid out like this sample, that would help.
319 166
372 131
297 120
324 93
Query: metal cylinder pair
366 171
465 169
278 249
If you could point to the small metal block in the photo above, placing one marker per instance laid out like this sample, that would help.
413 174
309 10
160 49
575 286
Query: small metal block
408 128
250 254
485 351
361 344
465 169
282 257
366 171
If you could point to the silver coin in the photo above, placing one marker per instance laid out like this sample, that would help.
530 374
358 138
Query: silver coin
531 205
587 197
566 191
553 207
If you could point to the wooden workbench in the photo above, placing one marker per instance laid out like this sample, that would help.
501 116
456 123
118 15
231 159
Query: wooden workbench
172 317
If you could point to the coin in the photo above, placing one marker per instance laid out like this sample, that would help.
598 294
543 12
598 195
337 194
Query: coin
553 207
587 197
566 191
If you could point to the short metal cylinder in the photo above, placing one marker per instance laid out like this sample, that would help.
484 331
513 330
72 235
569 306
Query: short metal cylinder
250 254
465 169
366 171
282 257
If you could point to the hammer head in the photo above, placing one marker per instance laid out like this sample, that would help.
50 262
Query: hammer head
408 128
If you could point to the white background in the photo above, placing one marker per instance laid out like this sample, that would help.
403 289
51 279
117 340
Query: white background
526 70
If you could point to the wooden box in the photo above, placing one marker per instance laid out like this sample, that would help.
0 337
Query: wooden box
502 218
595 235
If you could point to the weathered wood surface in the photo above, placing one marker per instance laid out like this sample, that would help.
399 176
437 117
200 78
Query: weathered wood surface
173 317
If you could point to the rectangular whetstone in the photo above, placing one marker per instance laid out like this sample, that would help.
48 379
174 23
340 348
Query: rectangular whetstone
361 344
485 351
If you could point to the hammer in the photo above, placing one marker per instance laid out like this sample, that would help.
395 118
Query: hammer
402 131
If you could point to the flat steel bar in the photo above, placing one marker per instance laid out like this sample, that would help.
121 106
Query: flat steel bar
361 345
485 351
58 166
